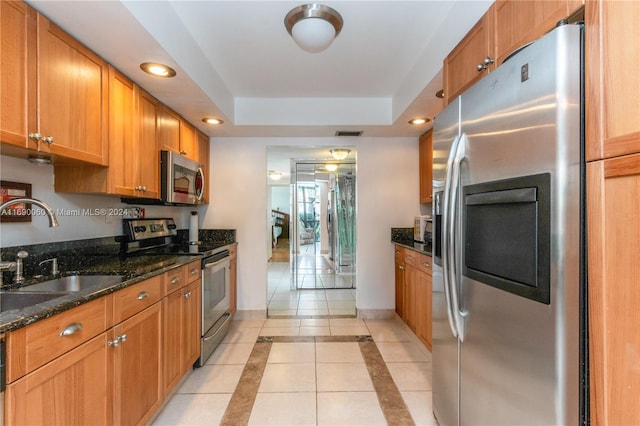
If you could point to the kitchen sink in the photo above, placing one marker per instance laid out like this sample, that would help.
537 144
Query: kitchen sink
16 300
73 283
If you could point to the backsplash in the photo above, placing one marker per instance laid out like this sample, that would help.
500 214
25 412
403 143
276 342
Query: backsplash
72 210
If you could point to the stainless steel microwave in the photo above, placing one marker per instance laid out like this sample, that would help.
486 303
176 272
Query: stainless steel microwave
182 180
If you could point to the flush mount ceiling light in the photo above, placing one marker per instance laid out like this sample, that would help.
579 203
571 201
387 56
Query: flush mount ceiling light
313 26
158 70
339 153
420 120
273 175
212 120
331 167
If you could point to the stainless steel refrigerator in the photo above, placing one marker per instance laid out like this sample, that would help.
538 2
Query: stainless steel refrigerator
507 298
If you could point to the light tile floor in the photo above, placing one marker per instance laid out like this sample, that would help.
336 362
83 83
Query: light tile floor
283 300
309 383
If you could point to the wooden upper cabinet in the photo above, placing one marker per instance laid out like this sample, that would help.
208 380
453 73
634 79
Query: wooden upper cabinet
72 96
147 151
466 63
17 74
612 86
122 136
189 141
523 21
614 289
426 167
168 130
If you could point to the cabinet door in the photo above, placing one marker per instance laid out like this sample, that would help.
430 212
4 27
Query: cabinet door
168 130
147 152
614 289
122 154
137 368
426 169
612 60
423 301
400 282
72 89
189 141
172 342
191 299
71 390
523 21
410 313
461 65
17 74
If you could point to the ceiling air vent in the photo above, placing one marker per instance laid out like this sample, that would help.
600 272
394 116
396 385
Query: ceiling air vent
348 133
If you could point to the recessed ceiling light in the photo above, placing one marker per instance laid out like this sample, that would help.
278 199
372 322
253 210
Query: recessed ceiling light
440 94
158 70
421 120
212 120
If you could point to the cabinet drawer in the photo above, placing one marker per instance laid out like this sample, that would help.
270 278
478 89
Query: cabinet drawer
175 279
41 342
192 271
134 299
410 257
424 263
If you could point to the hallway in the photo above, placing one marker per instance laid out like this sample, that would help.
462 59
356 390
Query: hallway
338 371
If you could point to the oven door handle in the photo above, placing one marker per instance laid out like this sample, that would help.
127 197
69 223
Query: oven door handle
213 264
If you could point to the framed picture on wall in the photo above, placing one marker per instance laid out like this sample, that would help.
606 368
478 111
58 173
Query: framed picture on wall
20 212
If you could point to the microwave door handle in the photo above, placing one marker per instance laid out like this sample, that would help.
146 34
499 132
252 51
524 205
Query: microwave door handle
445 235
200 196
454 255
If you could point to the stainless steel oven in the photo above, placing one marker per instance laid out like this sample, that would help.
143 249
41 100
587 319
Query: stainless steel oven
215 302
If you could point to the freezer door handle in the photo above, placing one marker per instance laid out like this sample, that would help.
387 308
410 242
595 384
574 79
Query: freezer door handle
455 249
446 219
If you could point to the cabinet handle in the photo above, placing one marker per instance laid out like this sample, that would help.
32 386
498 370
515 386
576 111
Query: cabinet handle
35 136
143 295
194 271
401 267
115 342
72 328
426 264
48 139
484 64
187 295
175 280
143 188
183 152
123 338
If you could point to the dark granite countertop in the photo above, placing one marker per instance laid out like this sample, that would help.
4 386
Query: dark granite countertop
133 270
404 237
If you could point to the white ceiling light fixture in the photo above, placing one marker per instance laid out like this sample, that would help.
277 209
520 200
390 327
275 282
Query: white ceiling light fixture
274 175
339 153
313 26
331 167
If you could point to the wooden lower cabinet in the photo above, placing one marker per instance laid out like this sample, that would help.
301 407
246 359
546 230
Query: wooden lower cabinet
137 372
181 333
413 291
614 289
115 366
72 389
423 297
233 272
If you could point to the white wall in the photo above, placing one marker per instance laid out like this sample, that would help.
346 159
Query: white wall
71 227
387 196
281 199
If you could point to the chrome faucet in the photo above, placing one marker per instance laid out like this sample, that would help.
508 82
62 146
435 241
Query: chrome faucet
54 265
53 220
20 266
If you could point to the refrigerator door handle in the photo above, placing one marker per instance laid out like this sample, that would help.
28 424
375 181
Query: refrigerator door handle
446 236
454 279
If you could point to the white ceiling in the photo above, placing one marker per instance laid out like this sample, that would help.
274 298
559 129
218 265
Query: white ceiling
235 60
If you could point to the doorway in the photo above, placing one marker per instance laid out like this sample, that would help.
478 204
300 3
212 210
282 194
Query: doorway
319 280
